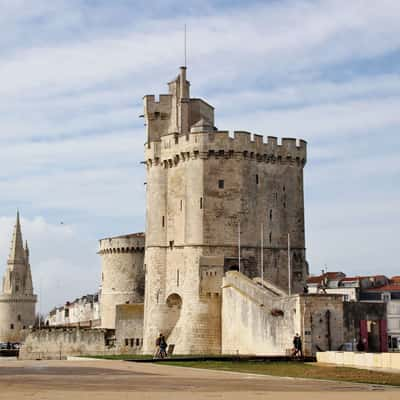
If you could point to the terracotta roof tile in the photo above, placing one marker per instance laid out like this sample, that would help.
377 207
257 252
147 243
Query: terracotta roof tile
386 288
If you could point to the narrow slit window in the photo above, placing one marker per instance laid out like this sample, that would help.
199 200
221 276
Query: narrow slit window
270 237
201 203
181 205
177 277
257 179
270 215
163 221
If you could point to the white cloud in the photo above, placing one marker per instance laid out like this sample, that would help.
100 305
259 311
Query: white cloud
72 77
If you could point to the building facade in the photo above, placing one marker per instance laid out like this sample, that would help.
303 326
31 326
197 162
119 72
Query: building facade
371 292
84 312
17 300
206 193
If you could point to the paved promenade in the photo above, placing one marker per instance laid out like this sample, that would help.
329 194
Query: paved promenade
100 380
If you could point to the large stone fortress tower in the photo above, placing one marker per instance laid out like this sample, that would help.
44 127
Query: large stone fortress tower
122 274
17 301
200 184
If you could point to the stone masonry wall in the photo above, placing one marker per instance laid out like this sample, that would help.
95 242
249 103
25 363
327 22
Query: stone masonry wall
129 328
254 321
200 183
17 315
249 325
58 343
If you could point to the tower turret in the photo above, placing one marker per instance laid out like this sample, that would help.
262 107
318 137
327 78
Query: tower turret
17 301
203 187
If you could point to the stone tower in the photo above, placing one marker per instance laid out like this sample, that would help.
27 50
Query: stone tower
17 301
122 276
202 185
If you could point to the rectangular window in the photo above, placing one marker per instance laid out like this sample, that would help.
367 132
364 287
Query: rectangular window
137 342
132 341
12 326
126 342
221 184
256 179
201 203
163 221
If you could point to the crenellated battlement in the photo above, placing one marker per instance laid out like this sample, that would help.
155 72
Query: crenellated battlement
163 105
172 149
123 244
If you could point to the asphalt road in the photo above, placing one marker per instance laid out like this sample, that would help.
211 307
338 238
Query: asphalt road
110 380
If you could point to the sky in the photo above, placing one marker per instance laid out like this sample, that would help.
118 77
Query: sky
72 77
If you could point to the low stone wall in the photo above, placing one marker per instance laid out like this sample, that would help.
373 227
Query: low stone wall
259 319
254 321
129 328
360 359
58 343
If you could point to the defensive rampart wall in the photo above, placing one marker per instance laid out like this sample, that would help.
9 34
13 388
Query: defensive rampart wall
172 149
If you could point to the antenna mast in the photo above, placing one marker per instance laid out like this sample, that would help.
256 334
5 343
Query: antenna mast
185 46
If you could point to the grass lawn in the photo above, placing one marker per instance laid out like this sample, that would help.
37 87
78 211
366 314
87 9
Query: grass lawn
122 357
297 370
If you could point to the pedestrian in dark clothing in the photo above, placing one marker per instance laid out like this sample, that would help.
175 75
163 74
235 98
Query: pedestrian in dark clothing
163 346
297 344
360 345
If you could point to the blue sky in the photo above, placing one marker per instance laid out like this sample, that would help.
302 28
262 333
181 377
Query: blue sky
72 77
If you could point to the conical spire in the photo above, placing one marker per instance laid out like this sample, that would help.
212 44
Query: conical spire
26 252
28 277
17 252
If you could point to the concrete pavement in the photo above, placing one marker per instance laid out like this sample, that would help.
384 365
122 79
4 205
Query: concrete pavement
103 379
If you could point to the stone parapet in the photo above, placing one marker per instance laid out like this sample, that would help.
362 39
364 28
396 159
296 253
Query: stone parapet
122 244
172 149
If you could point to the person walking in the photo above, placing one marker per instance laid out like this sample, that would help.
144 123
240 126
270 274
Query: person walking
297 344
157 349
163 346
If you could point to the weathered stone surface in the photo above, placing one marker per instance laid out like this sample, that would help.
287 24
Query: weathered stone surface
259 319
58 343
17 301
200 184
129 328
122 276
